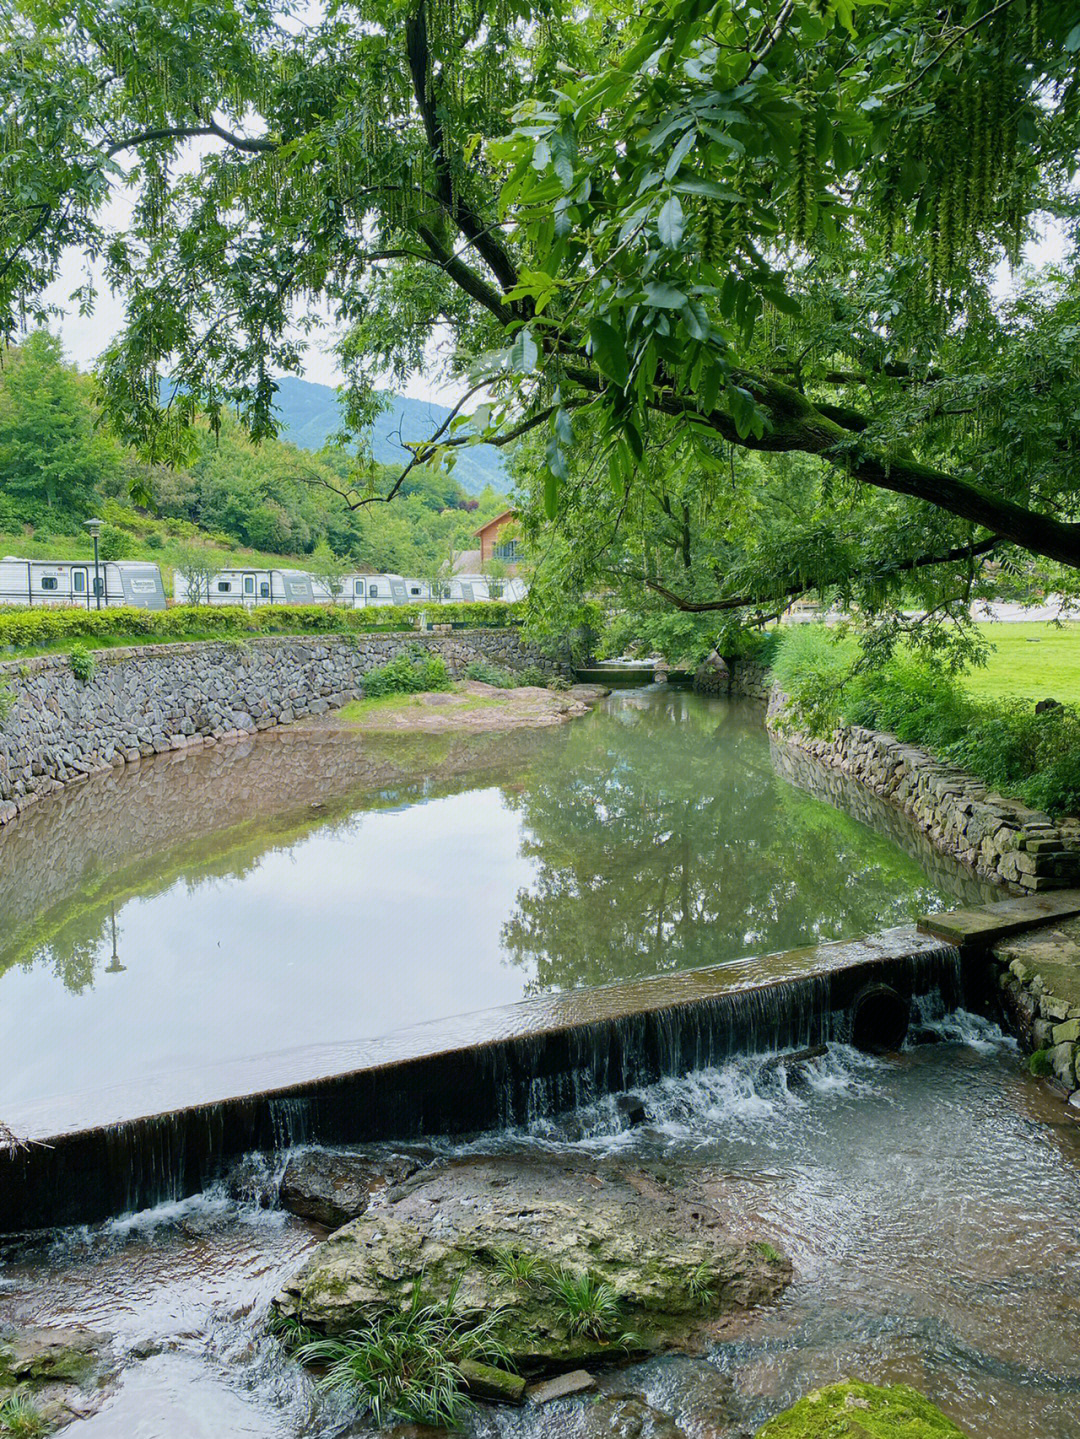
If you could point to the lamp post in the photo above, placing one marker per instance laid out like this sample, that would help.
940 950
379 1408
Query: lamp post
114 967
94 526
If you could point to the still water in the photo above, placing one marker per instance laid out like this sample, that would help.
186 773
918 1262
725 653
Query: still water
324 887
929 1202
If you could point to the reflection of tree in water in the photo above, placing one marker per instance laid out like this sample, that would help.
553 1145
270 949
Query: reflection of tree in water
663 839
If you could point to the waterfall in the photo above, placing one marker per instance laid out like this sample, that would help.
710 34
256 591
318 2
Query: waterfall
510 1068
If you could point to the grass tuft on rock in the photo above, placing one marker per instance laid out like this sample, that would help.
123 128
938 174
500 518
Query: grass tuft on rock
406 1364
20 1418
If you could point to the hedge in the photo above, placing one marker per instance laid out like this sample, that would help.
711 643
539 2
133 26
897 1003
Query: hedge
38 627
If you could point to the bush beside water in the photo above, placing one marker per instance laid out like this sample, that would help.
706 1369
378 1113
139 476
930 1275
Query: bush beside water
407 675
1004 742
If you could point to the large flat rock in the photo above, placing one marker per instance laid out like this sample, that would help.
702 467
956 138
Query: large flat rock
666 1268
1053 954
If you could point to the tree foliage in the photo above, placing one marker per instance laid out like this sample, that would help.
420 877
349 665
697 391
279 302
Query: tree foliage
701 227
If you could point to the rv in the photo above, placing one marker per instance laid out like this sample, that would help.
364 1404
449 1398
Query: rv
250 588
361 591
75 582
464 588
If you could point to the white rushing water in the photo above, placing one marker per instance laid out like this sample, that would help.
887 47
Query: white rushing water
929 1202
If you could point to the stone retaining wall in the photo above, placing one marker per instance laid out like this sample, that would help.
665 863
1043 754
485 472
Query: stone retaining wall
1039 976
158 698
1001 839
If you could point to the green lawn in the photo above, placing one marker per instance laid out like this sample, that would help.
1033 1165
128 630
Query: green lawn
1030 661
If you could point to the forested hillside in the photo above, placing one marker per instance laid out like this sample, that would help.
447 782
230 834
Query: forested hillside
310 414
276 500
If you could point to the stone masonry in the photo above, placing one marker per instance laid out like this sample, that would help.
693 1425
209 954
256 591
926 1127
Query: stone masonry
1002 839
159 698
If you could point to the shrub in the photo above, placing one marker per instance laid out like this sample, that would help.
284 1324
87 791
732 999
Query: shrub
405 1364
1004 742
533 675
408 674
154 541
115 544
40 626
83 664
490 674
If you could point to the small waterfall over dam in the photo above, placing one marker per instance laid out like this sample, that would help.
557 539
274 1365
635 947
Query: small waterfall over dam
498 1068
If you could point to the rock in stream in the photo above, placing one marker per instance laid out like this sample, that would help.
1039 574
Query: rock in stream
666 1268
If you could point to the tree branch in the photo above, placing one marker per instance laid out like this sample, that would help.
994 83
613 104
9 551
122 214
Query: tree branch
740 602
467 220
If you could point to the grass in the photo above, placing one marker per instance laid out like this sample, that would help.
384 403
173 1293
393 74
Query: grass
21 1419
1030 660
357 710
405 1364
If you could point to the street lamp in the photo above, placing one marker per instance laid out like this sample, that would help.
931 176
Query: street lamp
94 526
114 967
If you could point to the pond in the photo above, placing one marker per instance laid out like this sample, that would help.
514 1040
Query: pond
321 886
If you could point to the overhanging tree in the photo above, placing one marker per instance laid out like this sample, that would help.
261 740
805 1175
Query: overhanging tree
773 228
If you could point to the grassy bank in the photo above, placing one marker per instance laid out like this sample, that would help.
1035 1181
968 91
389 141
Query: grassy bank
1029 661
983 721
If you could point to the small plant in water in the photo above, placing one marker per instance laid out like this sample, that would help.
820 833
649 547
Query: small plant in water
405 1364
701 1285
21 1419
590 1305
290 1333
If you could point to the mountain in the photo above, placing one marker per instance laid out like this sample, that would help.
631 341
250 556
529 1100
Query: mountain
310 415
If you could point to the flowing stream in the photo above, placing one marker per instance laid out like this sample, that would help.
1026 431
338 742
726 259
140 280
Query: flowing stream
929 1202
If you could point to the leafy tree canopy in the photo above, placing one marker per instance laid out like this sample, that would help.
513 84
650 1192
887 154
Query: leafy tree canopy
662 239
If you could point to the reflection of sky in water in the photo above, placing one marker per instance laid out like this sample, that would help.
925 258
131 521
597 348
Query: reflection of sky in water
653 836
345 936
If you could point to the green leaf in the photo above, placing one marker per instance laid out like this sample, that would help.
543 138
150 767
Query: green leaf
524 353
662 296
679 154
551 495
671 223
609 353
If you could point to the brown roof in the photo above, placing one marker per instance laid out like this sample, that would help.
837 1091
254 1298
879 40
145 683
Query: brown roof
498 520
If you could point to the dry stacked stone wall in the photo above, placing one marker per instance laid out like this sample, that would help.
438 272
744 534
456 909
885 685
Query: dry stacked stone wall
159 698
1001 839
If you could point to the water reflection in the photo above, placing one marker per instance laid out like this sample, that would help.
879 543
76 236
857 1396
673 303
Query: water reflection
662 838
327 887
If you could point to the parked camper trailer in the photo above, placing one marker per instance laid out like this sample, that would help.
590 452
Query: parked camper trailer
250 588
361 591
74 582
465 588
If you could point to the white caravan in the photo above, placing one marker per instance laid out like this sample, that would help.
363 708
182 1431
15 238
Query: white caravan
74 582
464 588
358 592
250 588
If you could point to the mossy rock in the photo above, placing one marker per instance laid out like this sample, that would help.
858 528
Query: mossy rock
856 1410
668 1271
